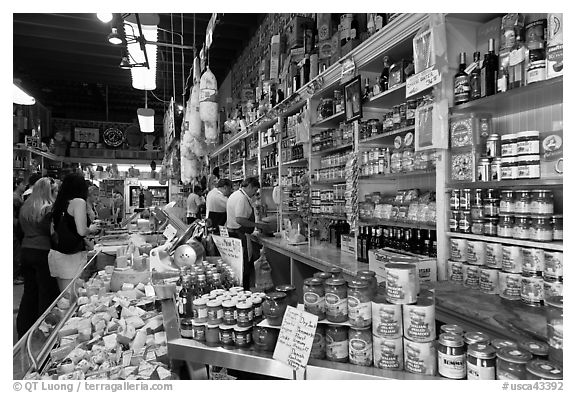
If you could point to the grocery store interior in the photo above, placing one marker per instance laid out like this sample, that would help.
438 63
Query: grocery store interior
272 196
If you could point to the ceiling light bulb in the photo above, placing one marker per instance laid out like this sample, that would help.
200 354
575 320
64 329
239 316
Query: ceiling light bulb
125 63
114 38
105 17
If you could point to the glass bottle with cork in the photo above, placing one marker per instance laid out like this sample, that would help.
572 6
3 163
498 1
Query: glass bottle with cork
461 83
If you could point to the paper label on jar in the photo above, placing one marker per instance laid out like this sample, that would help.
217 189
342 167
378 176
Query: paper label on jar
452 366
202 313
359 311
336 349
480 373
314 303
553 264
360 352
336 307
529 171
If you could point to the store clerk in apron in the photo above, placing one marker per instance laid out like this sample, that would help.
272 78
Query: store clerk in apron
240 221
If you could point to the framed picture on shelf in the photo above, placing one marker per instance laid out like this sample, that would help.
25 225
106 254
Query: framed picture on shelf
353 99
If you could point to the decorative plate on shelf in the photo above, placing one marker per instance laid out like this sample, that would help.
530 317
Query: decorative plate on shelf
113 137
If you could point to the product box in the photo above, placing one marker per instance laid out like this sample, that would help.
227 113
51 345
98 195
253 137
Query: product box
275 56
324 26
555 60
296 29
377 259
325 49
463 163
551 154
490 29
469 129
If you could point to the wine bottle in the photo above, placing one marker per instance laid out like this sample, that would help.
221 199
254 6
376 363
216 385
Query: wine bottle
489 72
461 82
384 74
475 79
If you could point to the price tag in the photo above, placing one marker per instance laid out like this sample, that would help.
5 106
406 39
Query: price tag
223 231
170 232
422 81
230 249
295 338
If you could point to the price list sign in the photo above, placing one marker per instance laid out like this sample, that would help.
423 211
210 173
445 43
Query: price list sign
295 338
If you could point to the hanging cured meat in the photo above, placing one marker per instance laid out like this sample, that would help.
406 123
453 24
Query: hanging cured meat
209 104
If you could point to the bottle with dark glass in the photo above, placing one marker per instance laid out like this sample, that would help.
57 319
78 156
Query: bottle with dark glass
461 82
368 241
399 239
427 242
407 246
201 286
379 237
367 90
183 298
475 79
359 245
385 74
517 64
141 199
433 251
489 71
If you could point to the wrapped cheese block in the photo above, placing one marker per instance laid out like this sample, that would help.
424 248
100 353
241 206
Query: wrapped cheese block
194 121
209 104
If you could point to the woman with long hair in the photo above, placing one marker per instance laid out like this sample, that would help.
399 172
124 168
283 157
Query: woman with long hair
40 289
71 225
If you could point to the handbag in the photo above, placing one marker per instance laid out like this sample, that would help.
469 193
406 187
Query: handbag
65 239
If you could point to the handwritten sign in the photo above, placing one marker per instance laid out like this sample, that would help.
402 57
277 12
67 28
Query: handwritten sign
223 231
231 251
422 81
170 232
295 338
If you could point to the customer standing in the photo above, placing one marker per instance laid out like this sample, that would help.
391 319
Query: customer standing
71 223
91 201
213 179
241 221
34 177
193 204
216 201
19 188
40 289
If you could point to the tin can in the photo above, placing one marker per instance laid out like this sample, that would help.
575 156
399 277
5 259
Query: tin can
552 288
451 356
402 283
465 221
455 271
481 362
420 358
458 249
511 259
489 280
454 218
471 276
493 146
476 337
553 264
419 320
509 285
465 199
476 252
532 290
496 169
386 318
388 353
532 260
494 255
483 169
455 200
453 329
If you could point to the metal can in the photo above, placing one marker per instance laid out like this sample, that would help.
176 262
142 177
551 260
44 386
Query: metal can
553 264
493 148
475 338
454 218
494 255
360 349
496 169
388 353
465 222
489 280
539 369
498 343
386 318
510 285
532 260
401 283
451 356
471 276
511 259
552 288
465 199
481 362
476 252
458 249
420 358
455 271
532 289
483 169
511 363
420 320
538 349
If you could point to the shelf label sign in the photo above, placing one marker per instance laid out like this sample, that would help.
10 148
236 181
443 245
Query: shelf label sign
295 338
422 81
223 231
231 251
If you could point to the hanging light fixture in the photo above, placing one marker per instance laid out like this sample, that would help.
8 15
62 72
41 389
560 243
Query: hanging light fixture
20 97
105 17
146 116
125 63
114 37
141 51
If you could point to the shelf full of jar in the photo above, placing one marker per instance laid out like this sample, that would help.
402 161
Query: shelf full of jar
330 121
400 224
301 161
520 183
554 245
386 134
331 149
396 176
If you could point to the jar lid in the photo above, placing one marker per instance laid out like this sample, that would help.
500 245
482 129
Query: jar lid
226 327
405 266
453 329
499 343
476 337
557 216
507 192
505 215
314 281
530 157
335 281
451 340
542 217
186 321
509 160
255 299
496 159
528 134
494 136
285 288
508 137
522 216
370 273
479 221
482 350
228 304
220 298
514 355
241 329
247 293
335 270
357 283
244 305
492 219
544 369
522 191
556 301
217 292
360 328
534 347
484 159
195 323
212 325
466 189
276 295
200 301
214 303
542 191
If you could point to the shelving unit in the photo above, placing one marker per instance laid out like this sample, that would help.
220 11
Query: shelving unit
396 176
332 150
272 168
399 224
330 121
520 183
300 161
394 94
386 134
556 246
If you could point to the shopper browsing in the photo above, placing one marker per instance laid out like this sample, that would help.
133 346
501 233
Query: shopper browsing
40 289
19 188
193 203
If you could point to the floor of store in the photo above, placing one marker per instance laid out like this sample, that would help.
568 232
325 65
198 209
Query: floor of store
17 292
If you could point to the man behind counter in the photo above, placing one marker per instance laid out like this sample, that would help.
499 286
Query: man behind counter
216 202
240 221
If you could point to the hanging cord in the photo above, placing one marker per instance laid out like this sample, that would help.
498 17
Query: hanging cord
172 41
182 53
159 99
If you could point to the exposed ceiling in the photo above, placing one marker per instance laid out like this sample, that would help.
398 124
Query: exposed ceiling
66 62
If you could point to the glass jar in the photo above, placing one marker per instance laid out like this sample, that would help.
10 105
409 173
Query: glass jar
257 307
481 362
509 145
396 120
452 329
491 207
360 346
359 304
507 202
336 272
475 338
396 162
483 169
199 331
226 335
186 328
402 110
411 105
539 369
465 199
318 350
557 223
215 312
242 336
454 218
528 143
477 212
369 276
313 293
200 310
455 199
322 276
451 356
498 343
212 334
541 229
555 328
506 225
478 227
274 307
465 222
491 226
493 148
529 167
523 202
264 338
542 202
511 363
496 169
290 291
538 349
522 227
509 168
337 343
336 300
245 313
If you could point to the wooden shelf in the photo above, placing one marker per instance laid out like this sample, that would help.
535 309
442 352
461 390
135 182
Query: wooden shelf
272 168
387 134
251 159
520 183
331 150
330 216
298 161
240 161
330 121
329 181
399 224
517 100
556 246
269 145
396 176
395 95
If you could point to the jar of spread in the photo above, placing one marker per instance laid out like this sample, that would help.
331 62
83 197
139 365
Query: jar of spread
496 169
538 349
483 169
541 229
555 327
543 370
498 343
452 329
454 218
314 302
477 212
215 312
200 310
509 168
481 362
318 350
337 343
322 275
532 289
522 227
336 300
507 202
523 202
465 199
451 356
494 255
455 199
506 225
186 328
493 148
242 336
198 331
542 202
491 207
529 167
489 280
359 304
509 285
528 142
274 307
336 272
226 335
465 222
245 313
557 223
475 338
511 259
290 291
265 338
509 144
360 346
478 227
370 277
491 226
212 334
257 306
511 363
